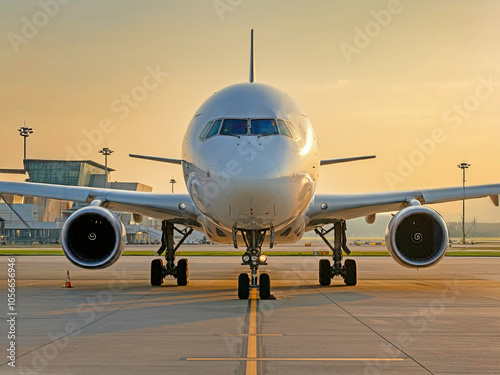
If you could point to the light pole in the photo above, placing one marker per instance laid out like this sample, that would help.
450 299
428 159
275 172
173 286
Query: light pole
25 132
106 152
172 181
463 167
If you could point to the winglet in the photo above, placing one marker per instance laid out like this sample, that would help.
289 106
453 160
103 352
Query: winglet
494 199
252 72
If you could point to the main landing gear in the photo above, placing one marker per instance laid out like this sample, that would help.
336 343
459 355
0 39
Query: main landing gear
253 257
161 268
326 270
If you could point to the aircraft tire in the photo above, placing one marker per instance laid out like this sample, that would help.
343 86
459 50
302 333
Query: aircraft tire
183 272
324 272
157 272
243 286
264 286
350 277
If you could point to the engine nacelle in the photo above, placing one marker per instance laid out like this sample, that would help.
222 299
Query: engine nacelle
417 237
93 237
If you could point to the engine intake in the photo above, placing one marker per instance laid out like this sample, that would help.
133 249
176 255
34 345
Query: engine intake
93 237
417 237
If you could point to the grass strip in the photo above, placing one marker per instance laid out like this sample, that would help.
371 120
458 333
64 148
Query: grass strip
452 253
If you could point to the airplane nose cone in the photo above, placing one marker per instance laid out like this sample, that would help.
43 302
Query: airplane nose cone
253 165
251 192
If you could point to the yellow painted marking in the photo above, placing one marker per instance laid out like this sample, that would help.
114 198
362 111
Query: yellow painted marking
253 359
246 334
252 335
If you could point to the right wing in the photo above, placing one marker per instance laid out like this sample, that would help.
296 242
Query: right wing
327 208
178 208
346 160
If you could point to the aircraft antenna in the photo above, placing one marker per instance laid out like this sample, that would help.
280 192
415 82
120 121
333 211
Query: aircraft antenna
252 73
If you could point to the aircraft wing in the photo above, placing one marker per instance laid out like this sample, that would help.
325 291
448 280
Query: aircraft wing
178 208
325 209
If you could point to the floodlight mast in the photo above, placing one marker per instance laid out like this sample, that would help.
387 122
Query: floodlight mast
463 167
25 132
106 152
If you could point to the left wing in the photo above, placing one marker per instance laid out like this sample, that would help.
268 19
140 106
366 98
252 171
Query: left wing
325 209
178 208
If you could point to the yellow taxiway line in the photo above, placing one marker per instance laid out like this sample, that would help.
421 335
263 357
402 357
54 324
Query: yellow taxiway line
252 359
252 335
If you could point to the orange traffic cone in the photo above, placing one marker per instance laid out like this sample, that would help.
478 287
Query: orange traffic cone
68 281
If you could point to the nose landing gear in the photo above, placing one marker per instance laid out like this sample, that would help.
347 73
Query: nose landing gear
254 258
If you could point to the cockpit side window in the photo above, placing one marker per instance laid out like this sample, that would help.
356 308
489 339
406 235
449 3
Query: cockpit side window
214 129
205 130
264 127
294 132
284 129
234 127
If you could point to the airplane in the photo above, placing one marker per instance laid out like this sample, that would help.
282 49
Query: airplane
250 160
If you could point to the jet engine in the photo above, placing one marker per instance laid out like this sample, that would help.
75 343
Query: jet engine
93 237
417 237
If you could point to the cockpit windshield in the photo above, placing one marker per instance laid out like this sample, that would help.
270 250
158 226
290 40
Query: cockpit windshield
240 127
263 127
234 127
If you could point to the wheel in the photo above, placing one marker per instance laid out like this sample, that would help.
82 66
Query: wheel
325 272
350 275
264 286
182 272
157 272
243 286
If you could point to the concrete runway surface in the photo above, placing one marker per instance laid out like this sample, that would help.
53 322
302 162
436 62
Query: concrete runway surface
442 320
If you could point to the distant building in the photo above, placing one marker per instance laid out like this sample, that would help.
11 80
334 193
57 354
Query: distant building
62 172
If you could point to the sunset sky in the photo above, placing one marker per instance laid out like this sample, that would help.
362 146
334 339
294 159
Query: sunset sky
415 82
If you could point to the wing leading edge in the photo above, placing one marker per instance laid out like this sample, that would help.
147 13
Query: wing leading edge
327 208
178 208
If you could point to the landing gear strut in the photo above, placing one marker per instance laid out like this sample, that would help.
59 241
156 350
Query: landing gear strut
253 257
161 268
326 270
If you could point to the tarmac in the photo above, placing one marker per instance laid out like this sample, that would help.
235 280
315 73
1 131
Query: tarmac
441 320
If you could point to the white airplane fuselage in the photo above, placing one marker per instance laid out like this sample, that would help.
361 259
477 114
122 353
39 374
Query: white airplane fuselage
251 181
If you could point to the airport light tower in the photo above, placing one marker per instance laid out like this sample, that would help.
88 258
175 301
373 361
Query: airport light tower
172 181
25 132
106 152
463 167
